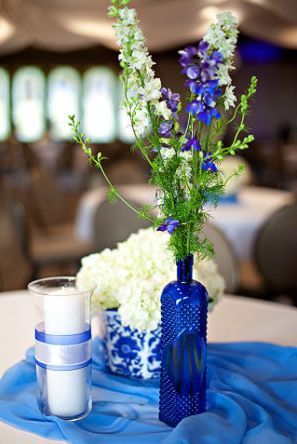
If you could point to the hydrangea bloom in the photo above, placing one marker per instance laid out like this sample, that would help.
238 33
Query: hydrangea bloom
131 279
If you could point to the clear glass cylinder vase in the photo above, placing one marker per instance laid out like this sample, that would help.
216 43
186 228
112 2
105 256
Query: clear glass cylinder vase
183 346
62 347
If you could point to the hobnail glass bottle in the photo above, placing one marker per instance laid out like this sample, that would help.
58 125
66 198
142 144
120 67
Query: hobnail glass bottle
183 346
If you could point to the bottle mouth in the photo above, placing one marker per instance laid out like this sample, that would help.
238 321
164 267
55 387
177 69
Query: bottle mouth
184 269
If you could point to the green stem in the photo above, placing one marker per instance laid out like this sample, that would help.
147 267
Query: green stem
207 137
87 150
188 242
98 164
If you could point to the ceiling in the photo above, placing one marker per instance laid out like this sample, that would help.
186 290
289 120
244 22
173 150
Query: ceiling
63 25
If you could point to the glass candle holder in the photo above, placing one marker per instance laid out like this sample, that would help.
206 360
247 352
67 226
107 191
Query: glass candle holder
62 347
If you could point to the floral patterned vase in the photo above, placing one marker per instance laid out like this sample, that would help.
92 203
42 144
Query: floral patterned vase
130 352
183 346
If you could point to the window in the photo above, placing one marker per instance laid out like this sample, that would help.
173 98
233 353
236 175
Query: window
63 100
28 94
4 105
100 90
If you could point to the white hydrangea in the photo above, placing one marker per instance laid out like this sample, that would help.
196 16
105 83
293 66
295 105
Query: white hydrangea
222 36
132 276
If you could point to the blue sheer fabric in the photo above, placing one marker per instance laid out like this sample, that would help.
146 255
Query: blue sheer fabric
251 399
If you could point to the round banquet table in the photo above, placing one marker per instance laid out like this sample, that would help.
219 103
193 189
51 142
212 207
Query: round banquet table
234 319
239 220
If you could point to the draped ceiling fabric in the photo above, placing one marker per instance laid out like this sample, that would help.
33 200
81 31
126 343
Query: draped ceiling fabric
62 25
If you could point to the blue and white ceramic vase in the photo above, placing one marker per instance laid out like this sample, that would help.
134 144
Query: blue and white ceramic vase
183 346
131 353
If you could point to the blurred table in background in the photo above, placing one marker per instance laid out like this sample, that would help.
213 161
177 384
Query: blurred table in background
239 220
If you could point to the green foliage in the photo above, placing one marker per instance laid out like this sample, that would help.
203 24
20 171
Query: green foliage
112 195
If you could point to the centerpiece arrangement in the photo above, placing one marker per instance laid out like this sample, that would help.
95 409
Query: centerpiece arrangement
185 166
128 281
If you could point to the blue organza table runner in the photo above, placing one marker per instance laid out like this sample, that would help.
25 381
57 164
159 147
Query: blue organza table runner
252 399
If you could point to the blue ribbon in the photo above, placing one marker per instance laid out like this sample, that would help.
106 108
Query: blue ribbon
62 352
77 338
63 367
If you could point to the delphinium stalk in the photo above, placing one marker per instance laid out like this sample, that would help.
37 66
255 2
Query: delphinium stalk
185 165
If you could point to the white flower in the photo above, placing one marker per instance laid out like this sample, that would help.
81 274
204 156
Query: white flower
186 155
128 16
223 74
141 122
222 36
229 97
223 33
163 110
167 153
132 276
141 86
151 90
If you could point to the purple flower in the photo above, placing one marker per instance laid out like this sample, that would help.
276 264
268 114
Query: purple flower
208 164
186 55
165 129
209 88
203 47
172 99
202 112
208 114
170 225
192 143
204 106
192 71
198 64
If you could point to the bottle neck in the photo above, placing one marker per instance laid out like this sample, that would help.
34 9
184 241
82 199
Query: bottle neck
185 269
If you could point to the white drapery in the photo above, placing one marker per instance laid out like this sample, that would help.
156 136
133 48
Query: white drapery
71 24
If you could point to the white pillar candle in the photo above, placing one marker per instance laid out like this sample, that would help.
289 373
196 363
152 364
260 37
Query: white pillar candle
64 314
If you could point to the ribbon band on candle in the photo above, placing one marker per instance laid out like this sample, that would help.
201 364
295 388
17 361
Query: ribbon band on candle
77 338
63 367
62 352
63 355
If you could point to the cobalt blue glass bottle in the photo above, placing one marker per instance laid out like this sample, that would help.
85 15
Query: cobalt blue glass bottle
183 345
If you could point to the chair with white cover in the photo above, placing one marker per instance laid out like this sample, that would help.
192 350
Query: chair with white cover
43 249
114 223
276 252
225 257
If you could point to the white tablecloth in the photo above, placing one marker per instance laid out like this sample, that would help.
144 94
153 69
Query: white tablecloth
240 221
234 319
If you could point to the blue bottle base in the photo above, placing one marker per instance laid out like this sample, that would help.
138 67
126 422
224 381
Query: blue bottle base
176 406
184 305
